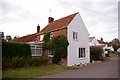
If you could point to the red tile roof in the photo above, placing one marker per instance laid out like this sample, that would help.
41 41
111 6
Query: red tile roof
60 23
27 38
100 41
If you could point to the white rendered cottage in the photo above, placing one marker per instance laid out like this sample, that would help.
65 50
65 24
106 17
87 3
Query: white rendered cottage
71 27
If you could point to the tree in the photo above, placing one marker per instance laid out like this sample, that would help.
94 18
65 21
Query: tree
58 44
8 38
15 37
115 43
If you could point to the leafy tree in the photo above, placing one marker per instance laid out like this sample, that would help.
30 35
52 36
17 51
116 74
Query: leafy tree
58 44
115 43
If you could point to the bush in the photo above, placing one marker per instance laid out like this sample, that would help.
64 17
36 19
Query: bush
13 49
17 62
96 53
56 58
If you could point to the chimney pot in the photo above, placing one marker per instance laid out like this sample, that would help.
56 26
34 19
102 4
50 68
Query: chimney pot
50 19
38 28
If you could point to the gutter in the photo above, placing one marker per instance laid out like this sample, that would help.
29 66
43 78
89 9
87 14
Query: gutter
53 30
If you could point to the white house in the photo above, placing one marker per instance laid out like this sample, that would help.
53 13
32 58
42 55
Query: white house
93 41
73 28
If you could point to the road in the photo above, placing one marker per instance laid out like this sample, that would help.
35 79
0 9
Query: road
107 69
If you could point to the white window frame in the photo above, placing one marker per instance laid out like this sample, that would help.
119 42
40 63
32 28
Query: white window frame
83 53
51 35
75 35
36 48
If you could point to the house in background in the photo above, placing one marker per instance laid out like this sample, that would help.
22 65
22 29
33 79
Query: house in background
73 28
94 42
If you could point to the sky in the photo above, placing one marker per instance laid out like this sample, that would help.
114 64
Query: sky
21 17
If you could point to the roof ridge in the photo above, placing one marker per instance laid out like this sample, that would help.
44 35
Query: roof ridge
67 16
63 21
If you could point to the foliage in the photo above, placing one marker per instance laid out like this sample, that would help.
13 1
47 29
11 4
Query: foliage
58 44
17 62
115 43
13 49
46 37
96 53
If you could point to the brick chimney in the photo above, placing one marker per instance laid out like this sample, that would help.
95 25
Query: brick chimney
101 39
38 28
50 19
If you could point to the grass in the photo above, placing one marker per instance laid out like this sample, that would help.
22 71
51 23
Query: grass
115 54
112 55
34 72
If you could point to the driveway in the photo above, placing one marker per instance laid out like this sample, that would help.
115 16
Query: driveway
107 69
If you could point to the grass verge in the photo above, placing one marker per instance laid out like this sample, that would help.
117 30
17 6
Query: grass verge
33 72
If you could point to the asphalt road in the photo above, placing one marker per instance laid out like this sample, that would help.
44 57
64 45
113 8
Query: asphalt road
107 69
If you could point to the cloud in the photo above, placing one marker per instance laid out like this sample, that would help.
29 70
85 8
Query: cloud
100 16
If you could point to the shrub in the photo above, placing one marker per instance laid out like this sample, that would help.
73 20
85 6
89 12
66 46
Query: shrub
13 49
17 62
96 53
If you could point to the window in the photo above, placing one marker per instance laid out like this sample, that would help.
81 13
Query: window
51 35
75 35
81 52
36 50
41 37
50 53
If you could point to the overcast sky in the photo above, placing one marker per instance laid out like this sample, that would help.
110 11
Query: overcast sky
21 17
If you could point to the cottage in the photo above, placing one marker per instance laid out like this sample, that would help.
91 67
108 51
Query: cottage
73 28
94 42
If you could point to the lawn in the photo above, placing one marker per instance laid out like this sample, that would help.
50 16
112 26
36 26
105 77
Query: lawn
34 72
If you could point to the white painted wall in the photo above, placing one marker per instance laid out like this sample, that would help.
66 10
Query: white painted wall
78 26
94 42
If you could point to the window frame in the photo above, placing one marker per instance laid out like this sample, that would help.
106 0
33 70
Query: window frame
36 48
51 35
75 35
50 53
82 53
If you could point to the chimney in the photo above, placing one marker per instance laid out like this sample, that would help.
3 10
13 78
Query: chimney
101 39
50 19
38 28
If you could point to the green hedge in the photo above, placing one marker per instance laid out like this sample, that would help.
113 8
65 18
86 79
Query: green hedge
17 62
96 53
12 49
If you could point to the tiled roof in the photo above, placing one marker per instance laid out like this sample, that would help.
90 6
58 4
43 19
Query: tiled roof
60 23
100 41
91 38
27 38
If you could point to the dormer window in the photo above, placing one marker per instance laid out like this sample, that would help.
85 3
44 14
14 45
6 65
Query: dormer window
74 35
51 35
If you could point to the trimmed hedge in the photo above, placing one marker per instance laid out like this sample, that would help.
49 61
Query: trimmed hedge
13 49
17 62
96 53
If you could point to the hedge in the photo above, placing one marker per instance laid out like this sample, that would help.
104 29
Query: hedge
96 53
17 62
13 49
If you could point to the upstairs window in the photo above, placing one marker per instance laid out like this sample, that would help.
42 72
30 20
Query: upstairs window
41 37
75 35
81 52
51 35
